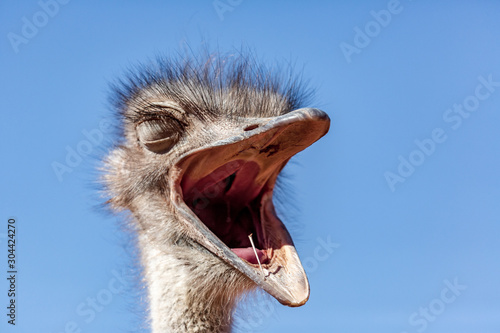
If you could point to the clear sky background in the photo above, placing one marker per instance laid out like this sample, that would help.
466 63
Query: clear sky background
404 190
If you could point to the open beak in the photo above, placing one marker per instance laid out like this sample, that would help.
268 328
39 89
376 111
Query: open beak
225 191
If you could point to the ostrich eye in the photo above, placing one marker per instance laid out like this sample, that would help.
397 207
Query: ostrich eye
159 135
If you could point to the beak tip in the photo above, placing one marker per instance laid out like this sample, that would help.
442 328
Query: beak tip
296 302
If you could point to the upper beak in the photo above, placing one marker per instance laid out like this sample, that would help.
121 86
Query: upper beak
268 143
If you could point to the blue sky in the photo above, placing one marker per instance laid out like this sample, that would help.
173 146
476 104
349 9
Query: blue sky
398 220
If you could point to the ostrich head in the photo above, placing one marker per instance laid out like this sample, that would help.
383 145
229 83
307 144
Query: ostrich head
203 142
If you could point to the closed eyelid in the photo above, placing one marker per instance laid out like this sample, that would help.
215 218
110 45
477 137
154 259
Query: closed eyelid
159 135
172 107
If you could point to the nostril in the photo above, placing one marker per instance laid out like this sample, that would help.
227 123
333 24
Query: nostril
251 127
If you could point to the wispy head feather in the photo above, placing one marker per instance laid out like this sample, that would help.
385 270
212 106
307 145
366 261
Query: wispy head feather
211 86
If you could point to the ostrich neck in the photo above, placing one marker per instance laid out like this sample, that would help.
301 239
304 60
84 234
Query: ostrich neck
189 290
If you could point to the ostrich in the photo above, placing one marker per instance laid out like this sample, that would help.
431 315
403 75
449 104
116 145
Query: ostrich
203 140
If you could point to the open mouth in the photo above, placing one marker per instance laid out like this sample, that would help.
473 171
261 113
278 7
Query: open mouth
224 191
229 201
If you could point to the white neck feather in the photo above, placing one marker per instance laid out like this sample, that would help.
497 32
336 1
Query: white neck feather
190 290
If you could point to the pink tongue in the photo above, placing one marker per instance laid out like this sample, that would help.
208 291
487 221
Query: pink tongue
248 254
